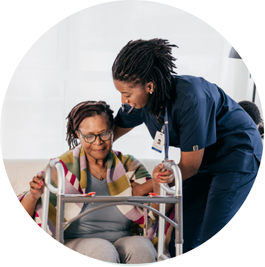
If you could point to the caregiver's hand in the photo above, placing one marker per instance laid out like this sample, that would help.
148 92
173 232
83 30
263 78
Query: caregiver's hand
161 176
37 186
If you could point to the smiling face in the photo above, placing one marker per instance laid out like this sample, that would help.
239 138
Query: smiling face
98 150
135 96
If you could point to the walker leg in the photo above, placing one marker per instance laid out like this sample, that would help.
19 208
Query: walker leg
60 219
45 202
179 232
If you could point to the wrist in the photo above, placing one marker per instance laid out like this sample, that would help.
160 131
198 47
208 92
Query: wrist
32 198
156 189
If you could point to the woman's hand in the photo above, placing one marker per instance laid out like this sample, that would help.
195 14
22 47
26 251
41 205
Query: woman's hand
37 185
161 176
31 198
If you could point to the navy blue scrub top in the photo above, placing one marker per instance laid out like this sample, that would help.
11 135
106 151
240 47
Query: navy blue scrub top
201 115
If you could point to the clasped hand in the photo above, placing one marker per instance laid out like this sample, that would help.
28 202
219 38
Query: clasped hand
161 176
37 185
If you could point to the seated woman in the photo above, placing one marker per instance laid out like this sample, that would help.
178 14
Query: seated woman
92 165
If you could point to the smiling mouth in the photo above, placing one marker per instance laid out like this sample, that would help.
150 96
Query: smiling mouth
99 150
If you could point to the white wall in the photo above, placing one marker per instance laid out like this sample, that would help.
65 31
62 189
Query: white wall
72 62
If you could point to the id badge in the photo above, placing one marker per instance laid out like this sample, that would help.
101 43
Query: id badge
159 142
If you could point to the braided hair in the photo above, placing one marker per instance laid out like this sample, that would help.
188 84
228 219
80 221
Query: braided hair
80 112
140 62
253 111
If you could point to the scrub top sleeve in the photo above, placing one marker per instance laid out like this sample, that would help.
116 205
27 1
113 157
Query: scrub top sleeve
130 120
197 125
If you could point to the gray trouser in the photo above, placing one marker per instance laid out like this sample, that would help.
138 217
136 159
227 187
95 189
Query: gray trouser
128 249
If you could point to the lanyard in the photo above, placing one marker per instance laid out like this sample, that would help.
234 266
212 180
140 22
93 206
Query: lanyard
161 138
166 132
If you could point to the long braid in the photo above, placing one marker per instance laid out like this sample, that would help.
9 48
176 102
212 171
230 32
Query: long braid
80 112
143 61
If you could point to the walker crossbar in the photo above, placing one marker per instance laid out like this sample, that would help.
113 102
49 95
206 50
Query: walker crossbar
66 224
62 198
103 199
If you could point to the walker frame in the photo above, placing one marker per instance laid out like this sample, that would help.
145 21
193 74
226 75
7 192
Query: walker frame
173 197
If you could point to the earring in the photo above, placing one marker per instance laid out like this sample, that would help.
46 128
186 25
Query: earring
150 92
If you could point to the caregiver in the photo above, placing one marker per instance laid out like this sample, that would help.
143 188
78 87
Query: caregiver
220 145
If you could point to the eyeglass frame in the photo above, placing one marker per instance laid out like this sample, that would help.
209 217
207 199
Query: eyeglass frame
95 135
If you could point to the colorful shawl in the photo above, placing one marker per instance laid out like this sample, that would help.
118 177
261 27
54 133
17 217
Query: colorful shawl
121 171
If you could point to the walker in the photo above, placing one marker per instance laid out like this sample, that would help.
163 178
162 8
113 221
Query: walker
173 197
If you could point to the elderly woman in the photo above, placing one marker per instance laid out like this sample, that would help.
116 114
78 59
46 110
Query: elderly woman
92 165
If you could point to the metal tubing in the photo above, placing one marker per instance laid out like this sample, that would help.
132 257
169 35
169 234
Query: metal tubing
59 219
178 181
58 191
162 199
52 189
45 201
60 204
66 224
177 173
161 226
104 199
179 232
178 209
168 189
162 257
61 176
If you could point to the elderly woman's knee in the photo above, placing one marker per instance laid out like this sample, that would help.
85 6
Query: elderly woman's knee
96 248
135 249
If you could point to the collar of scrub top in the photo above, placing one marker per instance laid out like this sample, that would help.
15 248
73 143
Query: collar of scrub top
124 108
164 128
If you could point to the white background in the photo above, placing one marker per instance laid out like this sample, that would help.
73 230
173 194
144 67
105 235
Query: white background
242 24
71 62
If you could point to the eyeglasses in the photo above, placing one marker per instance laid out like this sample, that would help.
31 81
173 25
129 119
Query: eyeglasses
90 138
124 107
